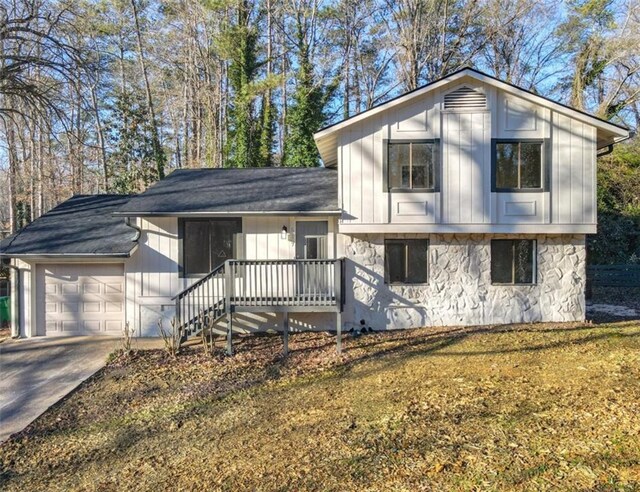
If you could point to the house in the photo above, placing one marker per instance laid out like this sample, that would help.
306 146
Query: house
464 202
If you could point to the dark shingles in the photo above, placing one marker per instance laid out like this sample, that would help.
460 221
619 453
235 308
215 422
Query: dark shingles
239 190
81 225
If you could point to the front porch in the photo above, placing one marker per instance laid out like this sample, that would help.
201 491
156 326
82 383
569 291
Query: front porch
274 286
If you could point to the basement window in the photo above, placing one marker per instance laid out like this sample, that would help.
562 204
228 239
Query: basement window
513 261
405 261
517 165
412 165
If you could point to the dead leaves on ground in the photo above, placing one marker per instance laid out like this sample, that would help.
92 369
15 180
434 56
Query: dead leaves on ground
512 408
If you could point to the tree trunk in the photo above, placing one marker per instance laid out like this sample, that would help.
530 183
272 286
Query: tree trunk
159 155
100 135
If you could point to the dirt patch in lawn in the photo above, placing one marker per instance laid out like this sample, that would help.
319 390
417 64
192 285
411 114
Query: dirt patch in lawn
610 304
4 334
528 407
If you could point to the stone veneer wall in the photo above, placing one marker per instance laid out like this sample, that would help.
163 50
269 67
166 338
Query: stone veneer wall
459 290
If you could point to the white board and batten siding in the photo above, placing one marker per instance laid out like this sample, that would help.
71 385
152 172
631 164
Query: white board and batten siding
465 130
152 274
574 172
466 170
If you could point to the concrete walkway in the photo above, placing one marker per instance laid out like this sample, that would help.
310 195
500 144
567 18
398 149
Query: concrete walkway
35 373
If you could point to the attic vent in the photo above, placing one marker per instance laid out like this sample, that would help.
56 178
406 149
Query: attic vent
465 98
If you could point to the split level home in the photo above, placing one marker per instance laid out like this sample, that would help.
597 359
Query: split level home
464 202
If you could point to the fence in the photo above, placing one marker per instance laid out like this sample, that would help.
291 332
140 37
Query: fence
613 275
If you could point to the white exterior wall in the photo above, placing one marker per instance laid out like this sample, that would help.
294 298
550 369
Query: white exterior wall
459 289
23 317
152 277
465 202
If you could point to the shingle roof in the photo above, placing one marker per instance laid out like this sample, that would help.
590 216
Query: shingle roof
248 190
82 225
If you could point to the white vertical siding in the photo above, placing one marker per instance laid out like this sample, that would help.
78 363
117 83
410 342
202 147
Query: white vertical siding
159 257
465 176
152 273
465 167
573 181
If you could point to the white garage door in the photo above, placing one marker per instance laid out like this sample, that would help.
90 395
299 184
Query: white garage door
83 299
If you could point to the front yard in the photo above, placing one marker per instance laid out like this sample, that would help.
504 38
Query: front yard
528 407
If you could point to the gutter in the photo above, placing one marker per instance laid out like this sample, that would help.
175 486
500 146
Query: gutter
609 147
223 214
37 256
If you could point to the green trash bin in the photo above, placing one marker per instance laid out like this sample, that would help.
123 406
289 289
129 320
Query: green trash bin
5 311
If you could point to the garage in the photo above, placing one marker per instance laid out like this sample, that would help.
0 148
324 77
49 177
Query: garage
80 299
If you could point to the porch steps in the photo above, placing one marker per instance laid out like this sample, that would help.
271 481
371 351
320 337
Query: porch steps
310 285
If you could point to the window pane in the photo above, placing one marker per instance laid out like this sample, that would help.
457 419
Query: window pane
422 165
195 246
506 165
399 165
501 261
222 232
394 257
523 261
417 268
530 165
312 252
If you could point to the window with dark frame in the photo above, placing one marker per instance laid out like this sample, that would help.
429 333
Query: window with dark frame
405 261
208 243
413 165
513 261
517 165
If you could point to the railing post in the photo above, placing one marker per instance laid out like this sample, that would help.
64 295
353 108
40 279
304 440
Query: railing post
337 283
338 292
285 333
178 310
229 308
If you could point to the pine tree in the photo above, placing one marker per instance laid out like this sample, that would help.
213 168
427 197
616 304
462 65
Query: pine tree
132 161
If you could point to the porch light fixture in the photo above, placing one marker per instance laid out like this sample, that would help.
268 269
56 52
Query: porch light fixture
283 233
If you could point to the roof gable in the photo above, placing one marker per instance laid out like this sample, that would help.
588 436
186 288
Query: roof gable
326 138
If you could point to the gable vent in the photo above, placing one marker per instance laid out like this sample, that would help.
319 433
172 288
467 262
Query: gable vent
465 98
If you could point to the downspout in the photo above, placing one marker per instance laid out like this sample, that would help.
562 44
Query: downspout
127 221
610 146
15 288
606 152
139 231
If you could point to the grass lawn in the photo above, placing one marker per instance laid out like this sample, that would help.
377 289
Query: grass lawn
529 407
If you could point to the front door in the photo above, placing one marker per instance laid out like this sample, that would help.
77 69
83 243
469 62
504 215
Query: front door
311 244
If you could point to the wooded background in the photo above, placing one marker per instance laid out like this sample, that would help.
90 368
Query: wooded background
110 95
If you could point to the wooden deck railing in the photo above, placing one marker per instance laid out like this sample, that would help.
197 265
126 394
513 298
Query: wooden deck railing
261 285
204 297
284 283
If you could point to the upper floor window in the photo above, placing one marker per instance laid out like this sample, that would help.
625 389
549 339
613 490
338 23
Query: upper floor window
518 165
405 261
413 165
208 243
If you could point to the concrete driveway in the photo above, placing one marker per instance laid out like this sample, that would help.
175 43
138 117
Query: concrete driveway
35 373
